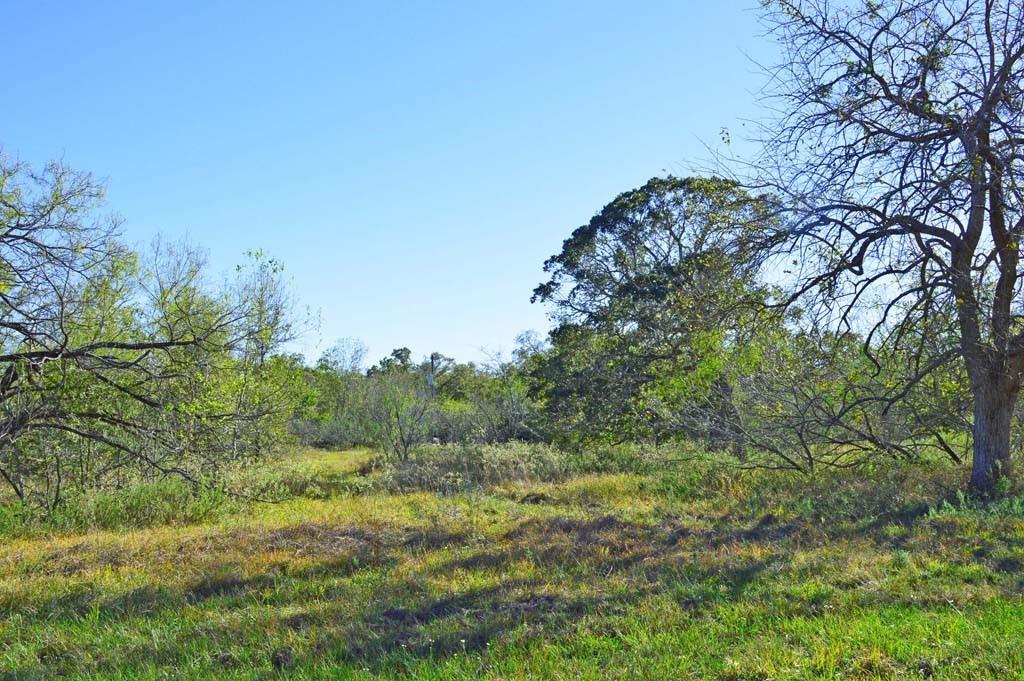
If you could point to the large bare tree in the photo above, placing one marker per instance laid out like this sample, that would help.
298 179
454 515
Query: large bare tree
900 146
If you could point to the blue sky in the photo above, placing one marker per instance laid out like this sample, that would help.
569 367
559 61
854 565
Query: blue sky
412 164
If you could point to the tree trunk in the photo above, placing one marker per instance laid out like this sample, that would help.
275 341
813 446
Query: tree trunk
993 411
725 432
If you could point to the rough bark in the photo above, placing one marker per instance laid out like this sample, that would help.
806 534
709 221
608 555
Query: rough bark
993 412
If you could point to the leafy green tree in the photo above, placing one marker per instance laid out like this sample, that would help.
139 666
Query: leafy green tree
649 296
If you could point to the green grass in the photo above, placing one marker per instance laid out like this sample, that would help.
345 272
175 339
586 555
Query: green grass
692 572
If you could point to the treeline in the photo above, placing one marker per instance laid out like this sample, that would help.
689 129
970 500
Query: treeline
853 293
666 333
398 404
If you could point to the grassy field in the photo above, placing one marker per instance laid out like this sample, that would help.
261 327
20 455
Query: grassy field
690 571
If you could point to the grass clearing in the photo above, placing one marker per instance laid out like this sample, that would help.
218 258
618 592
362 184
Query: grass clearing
689 572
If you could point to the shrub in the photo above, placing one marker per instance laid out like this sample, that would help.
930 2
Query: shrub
970 507
453 468
169 501
280 480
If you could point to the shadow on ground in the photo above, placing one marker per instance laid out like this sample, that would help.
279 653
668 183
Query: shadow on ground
384 596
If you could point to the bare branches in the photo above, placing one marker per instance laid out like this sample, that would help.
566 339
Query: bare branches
107 356
898 151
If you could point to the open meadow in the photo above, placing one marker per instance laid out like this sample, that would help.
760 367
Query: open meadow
674 570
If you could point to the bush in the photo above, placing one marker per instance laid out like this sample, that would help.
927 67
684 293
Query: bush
336 432
16 519
620 458
454 468
168 501
281 480
964 506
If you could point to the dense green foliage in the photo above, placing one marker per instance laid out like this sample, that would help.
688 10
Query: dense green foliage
397 405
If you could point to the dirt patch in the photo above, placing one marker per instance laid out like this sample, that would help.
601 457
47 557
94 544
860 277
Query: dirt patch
282 659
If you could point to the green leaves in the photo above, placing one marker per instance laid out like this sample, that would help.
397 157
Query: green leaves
650 295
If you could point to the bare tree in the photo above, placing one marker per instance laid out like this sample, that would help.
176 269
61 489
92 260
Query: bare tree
899 148
400 410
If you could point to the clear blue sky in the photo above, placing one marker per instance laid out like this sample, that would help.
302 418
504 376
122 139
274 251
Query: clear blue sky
412 164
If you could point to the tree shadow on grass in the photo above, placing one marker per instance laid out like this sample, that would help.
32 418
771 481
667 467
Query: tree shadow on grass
404 618
580 569
465 622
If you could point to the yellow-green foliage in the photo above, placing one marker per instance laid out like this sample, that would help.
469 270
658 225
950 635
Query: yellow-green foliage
684 570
